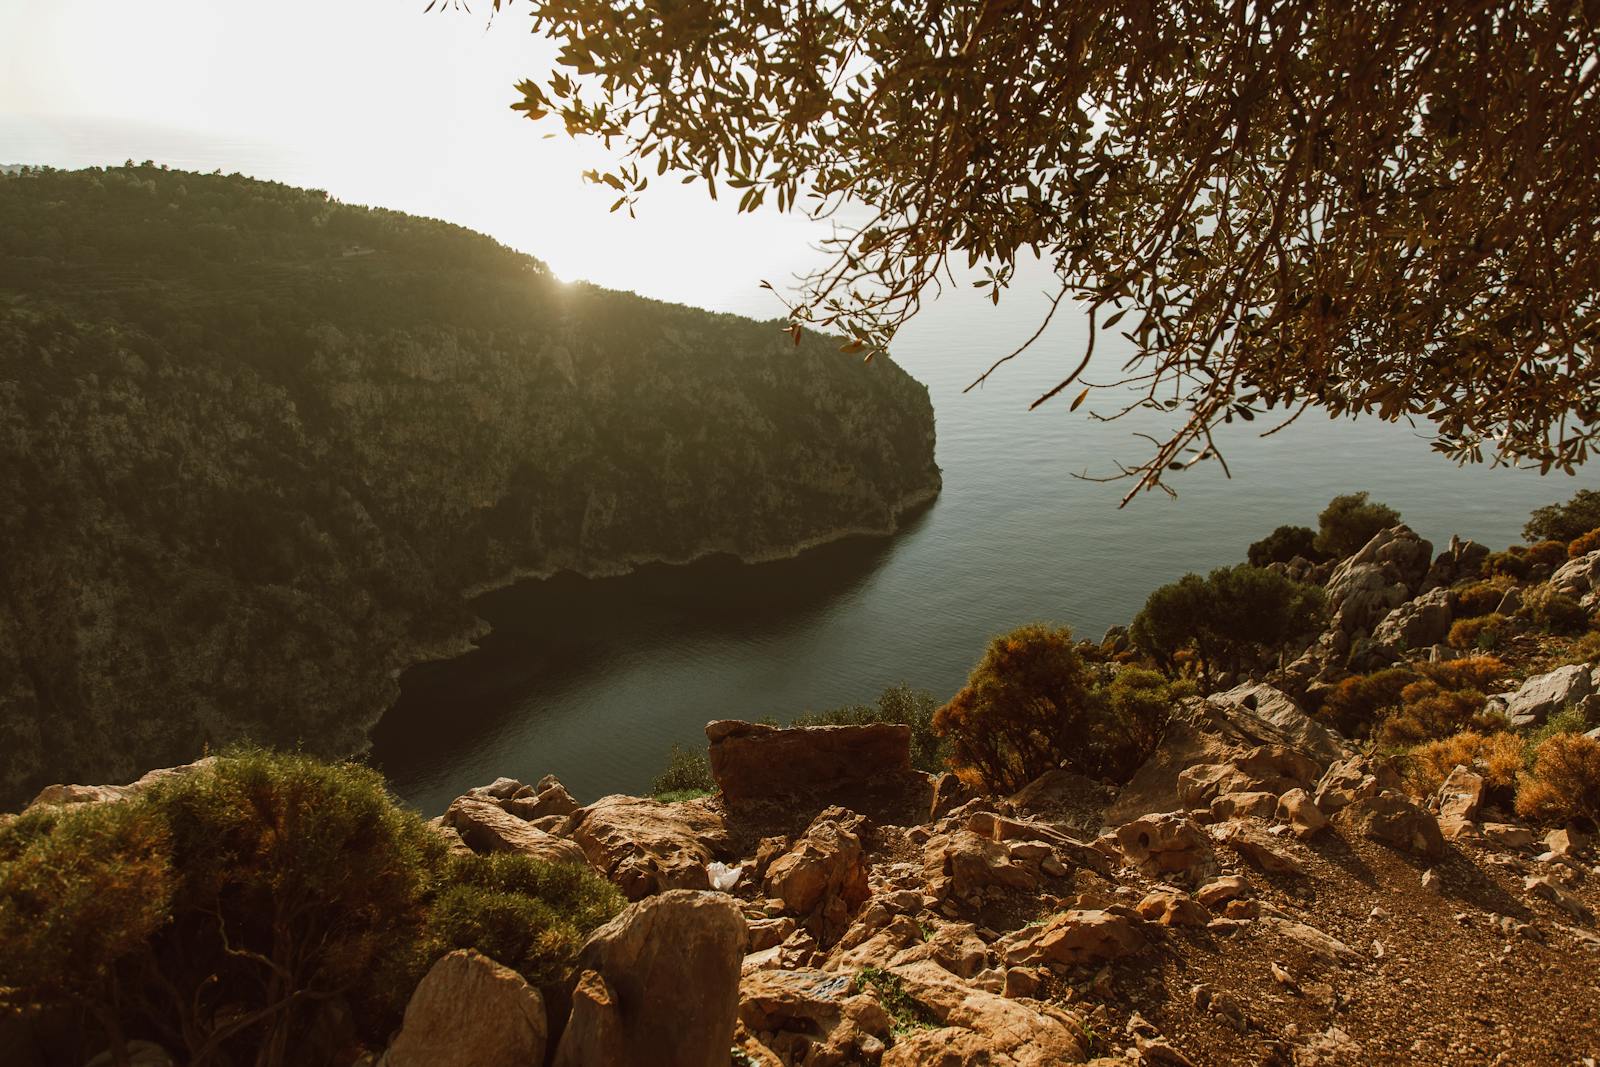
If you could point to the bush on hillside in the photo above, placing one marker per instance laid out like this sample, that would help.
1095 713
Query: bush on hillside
1027 708
1564 783
530 915
1565 522
291 908
1555 612
1582 546
1485 632
1229 617
1284 544
1512 563
1544 557
1349 522
902 706
1430 712
1140 702
1496 756
1479 598
688 774
1469 672
1356 703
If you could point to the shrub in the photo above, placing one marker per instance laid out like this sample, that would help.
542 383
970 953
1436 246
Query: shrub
1140 702
1349 522
1470 672
1585 649
1353 706
1512 563
1283 545
289 908
688 774
530 915
1485 632
82 892
1428 712
900 705
1232 614
1555 611
1479 598
1564 783
1026 709
1582 546
1545 556
1565 522
1496 756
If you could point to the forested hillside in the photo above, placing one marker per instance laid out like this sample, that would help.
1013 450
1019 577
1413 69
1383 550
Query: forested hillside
255 444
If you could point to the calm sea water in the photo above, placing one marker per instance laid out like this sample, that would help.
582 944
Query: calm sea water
594 680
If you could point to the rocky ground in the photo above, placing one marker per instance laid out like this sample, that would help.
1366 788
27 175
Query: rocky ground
1291 907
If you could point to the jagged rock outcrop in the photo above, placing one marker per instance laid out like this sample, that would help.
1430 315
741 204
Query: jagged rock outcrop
645 846
245 492
486 827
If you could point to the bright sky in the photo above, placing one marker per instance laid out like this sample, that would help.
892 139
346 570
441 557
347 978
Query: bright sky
378 103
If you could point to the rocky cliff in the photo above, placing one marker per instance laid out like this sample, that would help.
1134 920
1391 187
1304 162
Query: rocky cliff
255 445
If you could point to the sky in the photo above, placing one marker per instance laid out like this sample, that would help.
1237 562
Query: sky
379 103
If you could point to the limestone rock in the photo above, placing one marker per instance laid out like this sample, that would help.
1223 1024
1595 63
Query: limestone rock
644 846
1265 768
1077 937
1579 578
1393 820
1259 805
1297 809
751 761
822 879
1275 710
978 1027
1544 694
1218 891
1258 848
549 798
820 1013
1167 844
1459 561
665 985
1354 779
1170 907
100 794
1417 623
962 864
469 1011
486 827
1461 795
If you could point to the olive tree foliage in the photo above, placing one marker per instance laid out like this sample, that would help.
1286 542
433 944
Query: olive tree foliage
1370 207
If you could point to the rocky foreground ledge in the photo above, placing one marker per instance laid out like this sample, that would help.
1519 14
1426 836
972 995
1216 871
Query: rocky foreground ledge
1262 895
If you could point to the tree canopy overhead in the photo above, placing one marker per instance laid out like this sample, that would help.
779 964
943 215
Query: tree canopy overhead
1373 207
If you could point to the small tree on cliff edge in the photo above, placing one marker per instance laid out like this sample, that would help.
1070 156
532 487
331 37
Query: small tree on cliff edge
1226 618
1376 209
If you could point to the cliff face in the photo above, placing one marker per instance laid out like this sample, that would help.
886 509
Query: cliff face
255 445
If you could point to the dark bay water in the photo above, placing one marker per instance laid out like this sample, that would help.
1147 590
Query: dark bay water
594 680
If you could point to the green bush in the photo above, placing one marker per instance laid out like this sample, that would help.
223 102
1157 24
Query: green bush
1545 557
1485 632
688 774
900 705
1479 598
268 909
1555 612
530 915
1283 545
1565 522
1349 522
1026 708
1228 617
1140 702
1512 563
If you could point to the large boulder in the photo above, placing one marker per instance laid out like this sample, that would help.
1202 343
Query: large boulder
1418 623
1075 938
822 878
1544 694
486 827
1391 819
1579 578
645 846
814 1016
658 984
1354 779
1266 768
1386 573
60 795
963 865
975 1026
469 1011
753 761
1274 710
1459 561
1167 844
